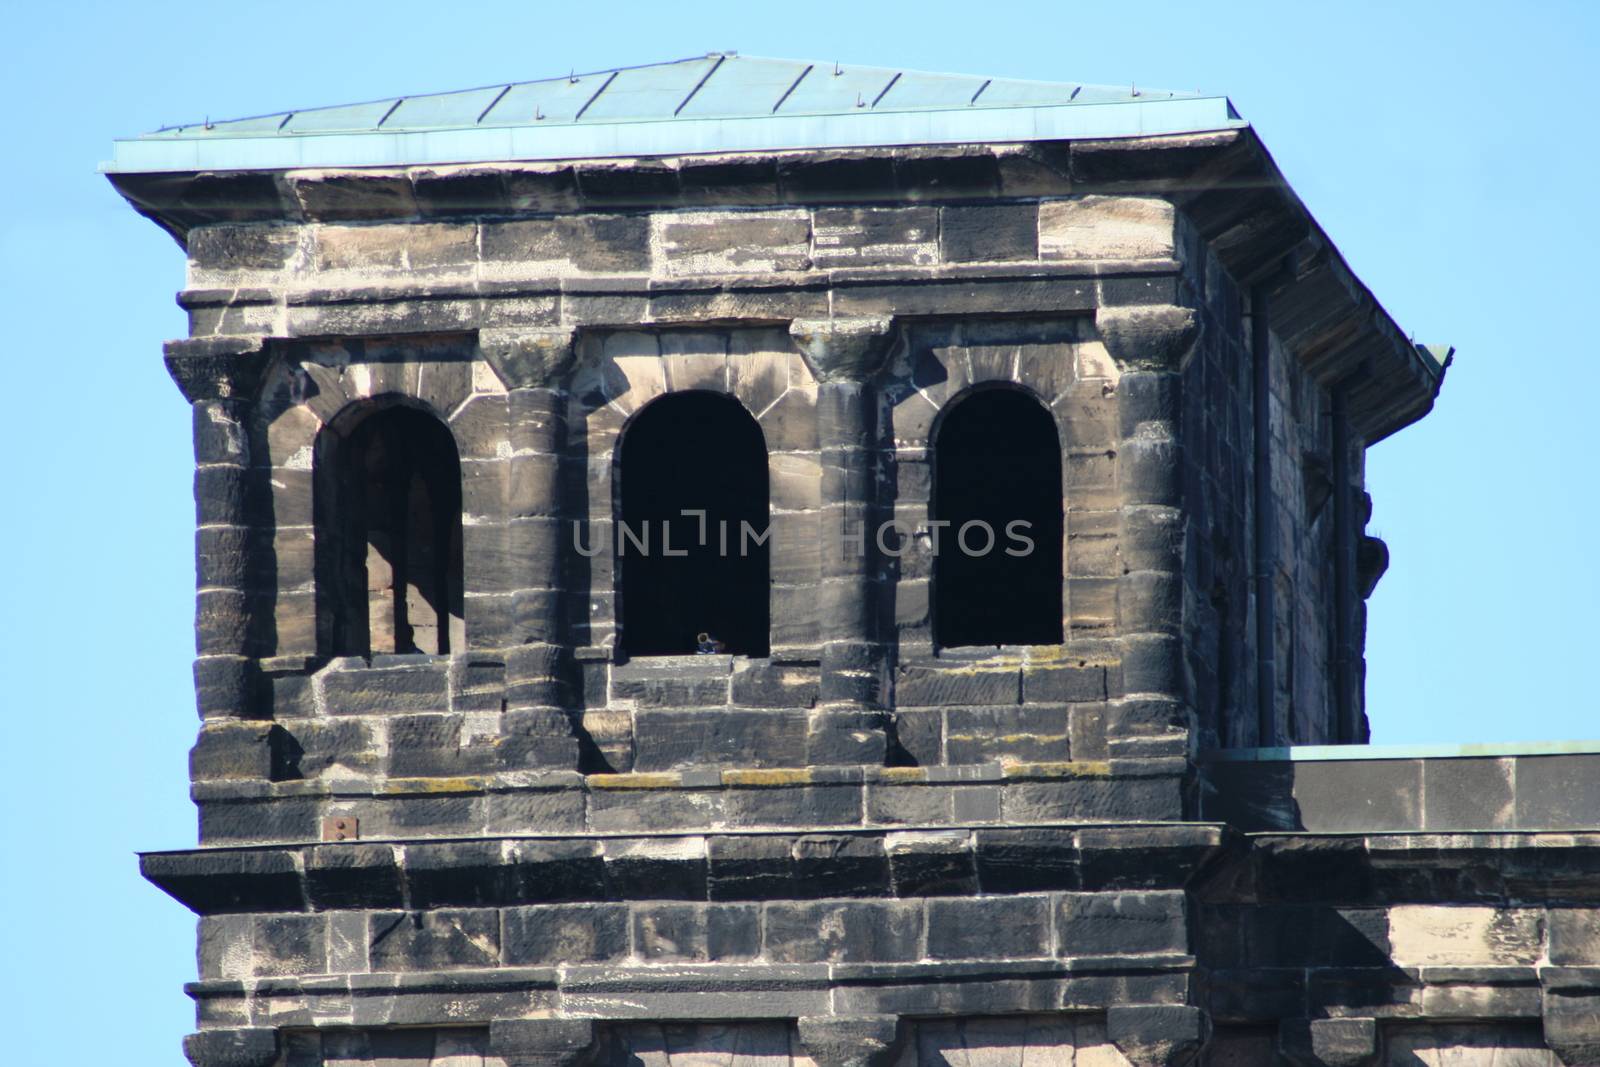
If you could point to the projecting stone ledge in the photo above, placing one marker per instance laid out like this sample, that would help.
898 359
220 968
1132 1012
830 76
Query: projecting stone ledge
235 810
754 866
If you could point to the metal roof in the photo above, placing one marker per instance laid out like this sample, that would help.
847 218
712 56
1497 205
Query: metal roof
720 102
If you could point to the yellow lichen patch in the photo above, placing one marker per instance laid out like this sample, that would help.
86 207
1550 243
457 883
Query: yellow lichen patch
1056 769
633 781
776 776
901 774
469 784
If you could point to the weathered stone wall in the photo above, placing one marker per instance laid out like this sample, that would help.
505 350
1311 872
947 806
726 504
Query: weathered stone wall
1302 455
862 849
427 313
1218 442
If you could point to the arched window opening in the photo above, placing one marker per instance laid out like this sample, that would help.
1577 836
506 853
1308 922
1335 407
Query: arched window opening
682 576
388 501
997 483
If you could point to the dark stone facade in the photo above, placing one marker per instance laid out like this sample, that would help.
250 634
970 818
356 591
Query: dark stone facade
862 847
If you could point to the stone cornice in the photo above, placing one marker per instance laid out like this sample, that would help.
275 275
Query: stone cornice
1225 184
510 871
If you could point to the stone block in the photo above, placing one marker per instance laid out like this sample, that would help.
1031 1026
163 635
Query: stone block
749 868
542 1042
656 868
433 940
290 945
731 242
666 739
917 738
1359 795
697 933
1092 797
250 1047
761 684
459 873
1106 227
457 810
843 931
933 863
1026 860
839 865
1029 733
865 236
1329 1042
673 681
850 1040
844 736
233 751
989 928
1157 1035
565 933
1120 924
242 822
352 875
1062 683
432 746
1574 936
1425 935
812 805
625 810
568 243
558 870
989 233
957 684
909 804
364 691
1557 791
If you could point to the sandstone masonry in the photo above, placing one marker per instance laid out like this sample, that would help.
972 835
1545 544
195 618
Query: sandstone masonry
449 815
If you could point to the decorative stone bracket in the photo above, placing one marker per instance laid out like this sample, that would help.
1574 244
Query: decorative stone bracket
253 1047
528 358
544 1042
1148 337
842 349
851 1040
1329 1042
1158 1035
217 368
1571 1009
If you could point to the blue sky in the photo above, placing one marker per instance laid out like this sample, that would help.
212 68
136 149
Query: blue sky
1448 149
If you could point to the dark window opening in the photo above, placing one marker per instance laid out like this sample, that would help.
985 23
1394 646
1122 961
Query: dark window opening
693 452
388 503
997 465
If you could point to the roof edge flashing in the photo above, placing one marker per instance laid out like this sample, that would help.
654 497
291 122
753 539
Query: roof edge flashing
647 138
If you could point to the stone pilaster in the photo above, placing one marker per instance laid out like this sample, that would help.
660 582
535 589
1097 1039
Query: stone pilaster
531 362
220 376
1151 345
849 724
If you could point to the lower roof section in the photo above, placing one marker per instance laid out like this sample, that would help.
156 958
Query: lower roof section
1354 789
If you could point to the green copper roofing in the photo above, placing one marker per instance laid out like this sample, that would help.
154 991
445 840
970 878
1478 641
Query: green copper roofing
721 102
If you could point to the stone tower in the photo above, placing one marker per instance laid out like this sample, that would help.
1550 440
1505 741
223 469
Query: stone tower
608 644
